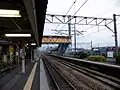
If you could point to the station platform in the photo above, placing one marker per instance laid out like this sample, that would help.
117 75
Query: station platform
33 79
43 78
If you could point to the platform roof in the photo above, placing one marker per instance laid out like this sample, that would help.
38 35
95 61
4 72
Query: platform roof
32 20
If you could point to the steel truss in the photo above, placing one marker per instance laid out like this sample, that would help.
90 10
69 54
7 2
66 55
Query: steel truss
79 20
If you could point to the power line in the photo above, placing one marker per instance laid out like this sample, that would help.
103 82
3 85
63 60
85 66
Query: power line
96 32
78 10
68 10
93 33
71 6
80 7
106 11
93 26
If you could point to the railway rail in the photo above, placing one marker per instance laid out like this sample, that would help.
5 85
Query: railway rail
107 80
61 83
111 70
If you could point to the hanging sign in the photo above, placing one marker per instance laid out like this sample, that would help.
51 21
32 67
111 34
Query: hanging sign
11 49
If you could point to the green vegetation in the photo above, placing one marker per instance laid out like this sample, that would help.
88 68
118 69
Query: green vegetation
117 59
81 55
97 58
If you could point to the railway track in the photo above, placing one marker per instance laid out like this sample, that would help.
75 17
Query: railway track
61 83
106 79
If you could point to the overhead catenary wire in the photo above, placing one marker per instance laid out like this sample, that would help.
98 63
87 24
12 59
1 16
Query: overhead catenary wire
93 26
77 10
96 31
104 12
71 6
101 30
68 10
80 7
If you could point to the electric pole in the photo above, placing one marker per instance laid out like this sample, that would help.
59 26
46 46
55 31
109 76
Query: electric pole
91 45
75 37
115 32
69 26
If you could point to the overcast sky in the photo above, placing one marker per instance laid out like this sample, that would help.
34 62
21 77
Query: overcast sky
93 8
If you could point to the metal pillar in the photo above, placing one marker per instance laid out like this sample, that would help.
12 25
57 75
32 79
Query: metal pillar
75 37
69 26
115 32
31 55
23 58
91 45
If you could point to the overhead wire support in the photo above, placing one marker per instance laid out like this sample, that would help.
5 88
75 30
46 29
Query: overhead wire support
109 28
63 19
108 10
68 10
77 11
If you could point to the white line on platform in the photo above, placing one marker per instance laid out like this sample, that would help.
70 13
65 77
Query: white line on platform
43 78
28 85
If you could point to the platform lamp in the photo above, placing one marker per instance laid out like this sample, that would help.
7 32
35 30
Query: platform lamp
9 13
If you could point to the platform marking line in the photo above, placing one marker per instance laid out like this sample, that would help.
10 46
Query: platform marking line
28 85
43 77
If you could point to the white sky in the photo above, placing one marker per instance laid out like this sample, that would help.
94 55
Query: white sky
93 8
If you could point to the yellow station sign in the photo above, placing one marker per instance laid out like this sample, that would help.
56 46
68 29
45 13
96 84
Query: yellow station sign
11 49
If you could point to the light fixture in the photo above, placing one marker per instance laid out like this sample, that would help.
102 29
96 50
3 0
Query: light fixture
9 13
33 44
18 35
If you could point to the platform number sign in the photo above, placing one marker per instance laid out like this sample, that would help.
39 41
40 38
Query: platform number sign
11 49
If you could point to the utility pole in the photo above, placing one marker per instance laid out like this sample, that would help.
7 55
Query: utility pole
75 37
69 26
91 45
115 32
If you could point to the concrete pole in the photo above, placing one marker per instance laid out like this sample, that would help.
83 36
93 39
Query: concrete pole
115 32
23 58
69 26
75 37
91 45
